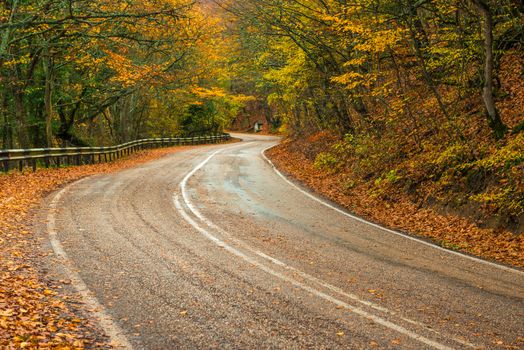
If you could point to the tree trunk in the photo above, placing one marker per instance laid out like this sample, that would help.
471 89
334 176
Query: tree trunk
268 115
20 112
414 30
7 138
494 120
48 103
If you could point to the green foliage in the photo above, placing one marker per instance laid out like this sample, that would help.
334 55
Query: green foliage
453 156
327 161
392 176
506 157
506 165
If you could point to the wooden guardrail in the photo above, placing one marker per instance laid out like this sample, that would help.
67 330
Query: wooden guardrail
19 158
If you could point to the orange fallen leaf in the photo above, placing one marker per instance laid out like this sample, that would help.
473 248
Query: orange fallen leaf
32 312
7 313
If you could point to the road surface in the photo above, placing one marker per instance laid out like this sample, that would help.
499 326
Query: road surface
211 248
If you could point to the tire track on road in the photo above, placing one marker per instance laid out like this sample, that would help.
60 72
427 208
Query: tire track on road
379 320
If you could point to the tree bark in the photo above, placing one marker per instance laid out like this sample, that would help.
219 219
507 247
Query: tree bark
7 137
492 114
48 103
19 109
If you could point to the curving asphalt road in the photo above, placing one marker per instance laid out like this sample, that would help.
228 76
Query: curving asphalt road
211 248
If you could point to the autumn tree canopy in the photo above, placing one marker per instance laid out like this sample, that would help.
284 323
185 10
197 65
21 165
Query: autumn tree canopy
84 72
419 97
88 72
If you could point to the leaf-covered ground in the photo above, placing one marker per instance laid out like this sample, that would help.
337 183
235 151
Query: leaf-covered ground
450 231
35 312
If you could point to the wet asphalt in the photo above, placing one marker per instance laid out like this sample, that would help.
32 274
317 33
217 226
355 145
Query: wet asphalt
236 258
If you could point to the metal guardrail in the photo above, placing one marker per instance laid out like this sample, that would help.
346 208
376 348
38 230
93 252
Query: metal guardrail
19 158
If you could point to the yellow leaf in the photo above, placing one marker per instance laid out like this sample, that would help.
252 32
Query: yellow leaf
6 313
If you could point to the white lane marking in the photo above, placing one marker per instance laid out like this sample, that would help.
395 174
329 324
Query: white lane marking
315 198
294 282
112 330
298 284
275 261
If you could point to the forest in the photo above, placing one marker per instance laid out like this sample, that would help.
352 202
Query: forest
418 98
100 72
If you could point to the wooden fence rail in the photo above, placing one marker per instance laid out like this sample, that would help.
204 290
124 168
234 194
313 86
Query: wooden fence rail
19 158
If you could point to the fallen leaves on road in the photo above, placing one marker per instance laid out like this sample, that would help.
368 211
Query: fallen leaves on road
33 313
395 341
450 231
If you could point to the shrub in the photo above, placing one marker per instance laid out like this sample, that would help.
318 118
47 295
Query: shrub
327 161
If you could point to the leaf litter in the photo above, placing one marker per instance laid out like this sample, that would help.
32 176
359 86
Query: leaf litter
449 231
35 311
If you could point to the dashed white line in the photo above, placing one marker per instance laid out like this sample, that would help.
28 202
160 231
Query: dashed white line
379 320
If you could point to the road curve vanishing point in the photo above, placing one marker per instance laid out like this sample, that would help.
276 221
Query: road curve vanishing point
210 247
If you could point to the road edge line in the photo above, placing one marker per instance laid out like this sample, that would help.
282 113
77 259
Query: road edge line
113 331
379 320
383 228
109 326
